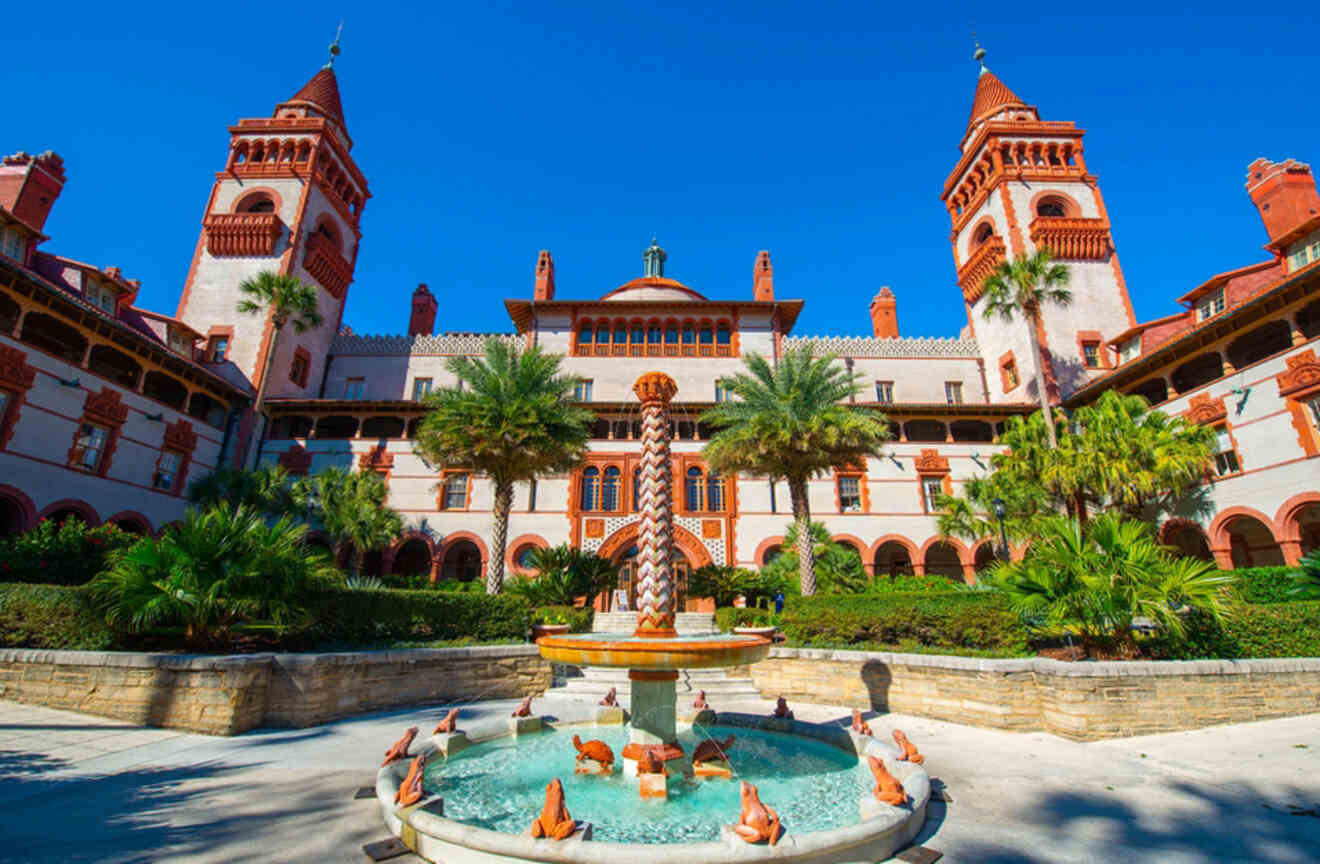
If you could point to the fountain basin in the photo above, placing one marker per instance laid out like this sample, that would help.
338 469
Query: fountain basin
620 650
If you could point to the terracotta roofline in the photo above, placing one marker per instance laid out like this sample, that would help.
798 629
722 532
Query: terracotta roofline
1219 279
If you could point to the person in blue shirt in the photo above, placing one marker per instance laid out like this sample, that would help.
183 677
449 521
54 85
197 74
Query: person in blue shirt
779 602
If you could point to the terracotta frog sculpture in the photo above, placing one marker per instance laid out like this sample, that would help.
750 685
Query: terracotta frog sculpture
650 763
610 699
781 710
410 790
757 822
711 750
524 708
908 749
399 749
887 788
554 821
860 726
700 702
595 750
449 724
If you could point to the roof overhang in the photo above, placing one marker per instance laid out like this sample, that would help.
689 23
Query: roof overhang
1215 282
524 312
1278 244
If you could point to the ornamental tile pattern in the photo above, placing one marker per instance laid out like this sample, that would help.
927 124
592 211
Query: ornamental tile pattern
443 343
866 346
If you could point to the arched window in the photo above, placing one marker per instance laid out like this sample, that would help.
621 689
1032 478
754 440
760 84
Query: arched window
638 333
653 333
603 333
259 203
671 333
590 488
707 334
722 334
637 488
609 490
1052 208
983 233
715 493
620 332
689 334
695 491
584 333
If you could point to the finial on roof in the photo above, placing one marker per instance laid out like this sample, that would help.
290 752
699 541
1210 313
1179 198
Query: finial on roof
654 257
334 47
979 54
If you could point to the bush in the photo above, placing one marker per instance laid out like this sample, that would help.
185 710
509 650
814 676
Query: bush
64 554
911 584
458 586
728 618
578 620
52 616
1265 584
1289 629
411 581
953 622
342 617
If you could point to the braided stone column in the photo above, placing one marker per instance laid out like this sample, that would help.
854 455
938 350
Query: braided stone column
655 591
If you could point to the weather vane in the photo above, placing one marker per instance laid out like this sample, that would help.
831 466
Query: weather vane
334 46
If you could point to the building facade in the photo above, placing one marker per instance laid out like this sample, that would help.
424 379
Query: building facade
158 400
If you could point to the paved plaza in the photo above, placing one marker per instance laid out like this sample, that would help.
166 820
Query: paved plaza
81 788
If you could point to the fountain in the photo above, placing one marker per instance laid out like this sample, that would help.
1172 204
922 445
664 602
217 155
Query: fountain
827 793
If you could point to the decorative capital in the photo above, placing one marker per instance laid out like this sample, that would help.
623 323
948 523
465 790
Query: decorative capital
180 436
655 387
1302 375
1202 409
931 462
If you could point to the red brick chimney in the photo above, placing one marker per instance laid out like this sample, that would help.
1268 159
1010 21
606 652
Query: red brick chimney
763 278
1284 192
30 184
545 277
884 314
422 322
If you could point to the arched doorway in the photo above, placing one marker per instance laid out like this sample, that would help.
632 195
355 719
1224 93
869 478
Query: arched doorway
1252 544
13 516
892 559
462 561
626 565
942 560
1186 539
413 558
984 557
1308 526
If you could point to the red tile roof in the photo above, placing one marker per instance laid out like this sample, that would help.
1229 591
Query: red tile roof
991 96
323 92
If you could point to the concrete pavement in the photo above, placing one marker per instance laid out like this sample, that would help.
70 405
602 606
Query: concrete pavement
76 788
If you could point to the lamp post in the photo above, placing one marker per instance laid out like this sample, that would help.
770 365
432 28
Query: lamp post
998 505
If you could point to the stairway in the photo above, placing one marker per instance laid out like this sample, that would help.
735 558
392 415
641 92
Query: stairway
592 683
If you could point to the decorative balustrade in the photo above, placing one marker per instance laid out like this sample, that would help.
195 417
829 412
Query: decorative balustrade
1072 239
327 266
242 233
972 274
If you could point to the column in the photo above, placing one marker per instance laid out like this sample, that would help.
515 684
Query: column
655 599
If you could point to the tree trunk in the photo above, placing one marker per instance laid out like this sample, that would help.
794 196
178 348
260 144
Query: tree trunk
797 493
1033 319
1079 504
499 536
358 557
257 423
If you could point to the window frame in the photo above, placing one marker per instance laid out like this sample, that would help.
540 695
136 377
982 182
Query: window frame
355 393
79 451
1093 347
216 341
953 392
418 383
582 389
1224 433
447 479
841 496
884 392
176 479
928 500
1210 305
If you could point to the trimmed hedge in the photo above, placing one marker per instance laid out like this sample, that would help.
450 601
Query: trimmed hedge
956 622
1265 584
52 616
1251 630
68 553
729 617
342 616
578 620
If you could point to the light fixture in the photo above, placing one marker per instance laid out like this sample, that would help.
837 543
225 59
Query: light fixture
1244 392
894 459
998 505
976 457
159 418
68 382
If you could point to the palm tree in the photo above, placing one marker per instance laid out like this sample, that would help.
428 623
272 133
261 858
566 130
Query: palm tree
837 567
792 421
513 419
351 506
1021 287
287 300
265 490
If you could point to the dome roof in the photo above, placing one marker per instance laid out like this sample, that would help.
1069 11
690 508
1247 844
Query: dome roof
653 288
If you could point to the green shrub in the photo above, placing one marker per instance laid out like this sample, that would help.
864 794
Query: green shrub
728 617
64 554
953 621
1265 584
1250 630
387 616
909 584
408 581
52 616
578 620
458 586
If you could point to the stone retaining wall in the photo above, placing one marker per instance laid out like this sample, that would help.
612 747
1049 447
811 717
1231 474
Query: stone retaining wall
229 695
1082 701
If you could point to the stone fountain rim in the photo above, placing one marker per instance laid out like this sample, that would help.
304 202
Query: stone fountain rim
456 842
625 652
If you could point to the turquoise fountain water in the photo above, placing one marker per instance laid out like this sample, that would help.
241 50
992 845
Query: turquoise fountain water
501 784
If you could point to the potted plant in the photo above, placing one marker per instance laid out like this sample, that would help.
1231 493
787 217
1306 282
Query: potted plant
747 624
550 624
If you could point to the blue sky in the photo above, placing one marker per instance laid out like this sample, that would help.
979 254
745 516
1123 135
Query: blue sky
821 131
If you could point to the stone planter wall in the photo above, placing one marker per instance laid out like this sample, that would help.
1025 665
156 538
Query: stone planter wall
229 695
1081 701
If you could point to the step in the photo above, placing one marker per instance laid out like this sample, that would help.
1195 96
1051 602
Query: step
594 683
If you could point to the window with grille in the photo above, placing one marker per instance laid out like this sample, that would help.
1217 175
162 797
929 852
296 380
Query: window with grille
695 490
884 392
13 244
582 390
89 446
421 388
931 488
167 470
714 493
1210 305
610 488
99 296
850 493
1226 460
590 496
1091 355
455 497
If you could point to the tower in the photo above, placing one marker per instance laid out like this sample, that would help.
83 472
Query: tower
763 278
289 200
422 320
884 314
1020 185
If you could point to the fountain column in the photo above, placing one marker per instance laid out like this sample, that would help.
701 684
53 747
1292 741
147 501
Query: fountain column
653 692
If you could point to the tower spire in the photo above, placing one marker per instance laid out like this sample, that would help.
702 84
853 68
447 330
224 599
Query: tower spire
334 47
654 257
979 54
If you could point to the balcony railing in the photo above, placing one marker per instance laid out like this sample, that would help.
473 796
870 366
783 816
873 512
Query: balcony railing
242 233
1072 239
327 266
972 274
